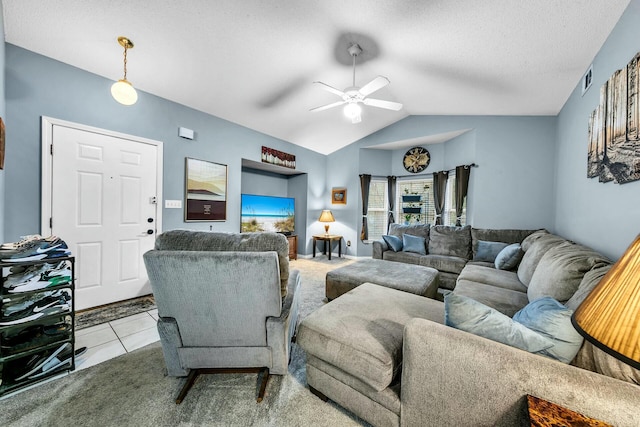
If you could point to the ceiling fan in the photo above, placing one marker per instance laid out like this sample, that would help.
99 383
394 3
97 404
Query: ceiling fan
353 95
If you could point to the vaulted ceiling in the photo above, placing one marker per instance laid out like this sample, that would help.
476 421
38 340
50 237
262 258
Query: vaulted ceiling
253 62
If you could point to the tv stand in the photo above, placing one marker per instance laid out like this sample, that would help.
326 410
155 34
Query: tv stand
293 246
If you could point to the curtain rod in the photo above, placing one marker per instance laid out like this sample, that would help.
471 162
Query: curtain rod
472 165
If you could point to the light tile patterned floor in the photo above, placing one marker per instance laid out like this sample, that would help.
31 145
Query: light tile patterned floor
108 340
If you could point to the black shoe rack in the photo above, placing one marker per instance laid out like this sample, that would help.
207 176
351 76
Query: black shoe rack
35 347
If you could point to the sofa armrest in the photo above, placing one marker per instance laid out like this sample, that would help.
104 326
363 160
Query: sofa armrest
453 378
281 329
379 246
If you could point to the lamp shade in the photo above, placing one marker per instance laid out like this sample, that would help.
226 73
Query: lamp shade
610 315
123 92
326 216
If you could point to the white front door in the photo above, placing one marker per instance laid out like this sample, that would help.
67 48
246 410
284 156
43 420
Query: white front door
103 205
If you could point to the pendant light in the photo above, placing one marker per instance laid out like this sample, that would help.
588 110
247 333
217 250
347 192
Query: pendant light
122 90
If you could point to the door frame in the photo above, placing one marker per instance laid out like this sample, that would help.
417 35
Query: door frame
46 195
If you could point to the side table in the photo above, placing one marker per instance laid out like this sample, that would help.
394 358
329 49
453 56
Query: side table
543 413
327 239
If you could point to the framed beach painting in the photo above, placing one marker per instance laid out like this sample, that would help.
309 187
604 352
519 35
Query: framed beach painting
206 191
339 196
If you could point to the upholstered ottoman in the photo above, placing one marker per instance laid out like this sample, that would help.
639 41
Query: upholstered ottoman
412 278
354 349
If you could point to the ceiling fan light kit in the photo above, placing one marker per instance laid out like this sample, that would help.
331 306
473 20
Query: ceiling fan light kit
354 95
122 90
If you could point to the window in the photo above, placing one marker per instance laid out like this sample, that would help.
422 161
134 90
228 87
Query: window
378 209
417 187
424 188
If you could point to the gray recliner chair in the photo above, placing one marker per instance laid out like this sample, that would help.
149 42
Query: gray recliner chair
226 303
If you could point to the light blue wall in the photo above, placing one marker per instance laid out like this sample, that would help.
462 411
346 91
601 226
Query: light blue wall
3 115
603 216
39 86
512 187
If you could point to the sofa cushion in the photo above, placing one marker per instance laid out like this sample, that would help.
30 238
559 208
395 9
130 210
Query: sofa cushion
589 281
509 257
394 242
506 301
553 320
449 240
443 263
406 257
561 270
508 236
370 348
488 251
420 230
471 316
490 276
593 359
414 244
534 247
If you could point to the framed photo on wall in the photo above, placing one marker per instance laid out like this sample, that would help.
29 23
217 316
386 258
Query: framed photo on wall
339 196
205 191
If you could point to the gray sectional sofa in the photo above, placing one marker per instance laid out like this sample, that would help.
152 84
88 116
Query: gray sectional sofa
407 368
447 249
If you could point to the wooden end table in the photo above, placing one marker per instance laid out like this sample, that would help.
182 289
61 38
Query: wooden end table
327 239
543 413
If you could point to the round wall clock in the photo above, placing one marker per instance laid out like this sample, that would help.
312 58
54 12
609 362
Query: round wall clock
416 159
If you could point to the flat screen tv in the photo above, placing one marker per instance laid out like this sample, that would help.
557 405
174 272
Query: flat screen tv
267 213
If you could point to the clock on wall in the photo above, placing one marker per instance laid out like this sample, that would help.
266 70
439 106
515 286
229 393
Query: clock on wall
416 159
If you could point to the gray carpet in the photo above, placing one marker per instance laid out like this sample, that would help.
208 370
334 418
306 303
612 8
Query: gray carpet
133 389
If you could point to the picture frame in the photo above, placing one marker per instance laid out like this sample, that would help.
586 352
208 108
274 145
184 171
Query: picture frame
339 196
277 157
1 143
205 191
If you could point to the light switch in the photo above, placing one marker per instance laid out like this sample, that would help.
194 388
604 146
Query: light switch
173 204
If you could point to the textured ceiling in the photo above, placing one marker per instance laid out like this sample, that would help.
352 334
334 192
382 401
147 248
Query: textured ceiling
253 62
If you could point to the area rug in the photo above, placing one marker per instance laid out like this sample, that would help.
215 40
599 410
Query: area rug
134 390
107 313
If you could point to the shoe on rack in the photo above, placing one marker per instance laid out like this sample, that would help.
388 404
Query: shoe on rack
64 358
20 276
46 280
35 250
35 364
57 302
23 240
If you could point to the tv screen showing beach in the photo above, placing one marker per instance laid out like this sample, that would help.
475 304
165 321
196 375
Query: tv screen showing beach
267 213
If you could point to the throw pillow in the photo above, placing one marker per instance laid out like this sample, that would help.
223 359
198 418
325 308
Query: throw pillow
450 240
509 257
413 244
393 242
472 316
553 320
488 251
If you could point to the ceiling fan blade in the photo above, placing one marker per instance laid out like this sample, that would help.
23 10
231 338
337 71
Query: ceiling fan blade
326 107
330 88
374 85
396 106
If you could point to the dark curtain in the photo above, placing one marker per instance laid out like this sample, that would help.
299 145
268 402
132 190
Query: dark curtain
439 188
462 187
391 192
365 181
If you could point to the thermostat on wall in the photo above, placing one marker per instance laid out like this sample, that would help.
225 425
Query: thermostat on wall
185 133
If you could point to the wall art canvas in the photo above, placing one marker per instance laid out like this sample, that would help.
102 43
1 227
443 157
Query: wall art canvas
275 157
339 196
206 191
614 137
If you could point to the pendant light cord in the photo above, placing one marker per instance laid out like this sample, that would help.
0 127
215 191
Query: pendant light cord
125 61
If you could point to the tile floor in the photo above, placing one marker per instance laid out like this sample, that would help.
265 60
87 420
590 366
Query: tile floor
111 339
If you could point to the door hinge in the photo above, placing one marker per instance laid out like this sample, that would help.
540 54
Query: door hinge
50 222
51 149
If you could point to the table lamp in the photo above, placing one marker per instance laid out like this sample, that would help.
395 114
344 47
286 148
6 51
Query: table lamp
326 216
610 315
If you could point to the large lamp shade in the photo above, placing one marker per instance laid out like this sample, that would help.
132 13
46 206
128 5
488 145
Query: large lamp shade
326 216
610 315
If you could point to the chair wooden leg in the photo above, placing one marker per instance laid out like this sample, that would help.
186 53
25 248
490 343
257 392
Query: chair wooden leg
191 379
263 384
319 394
